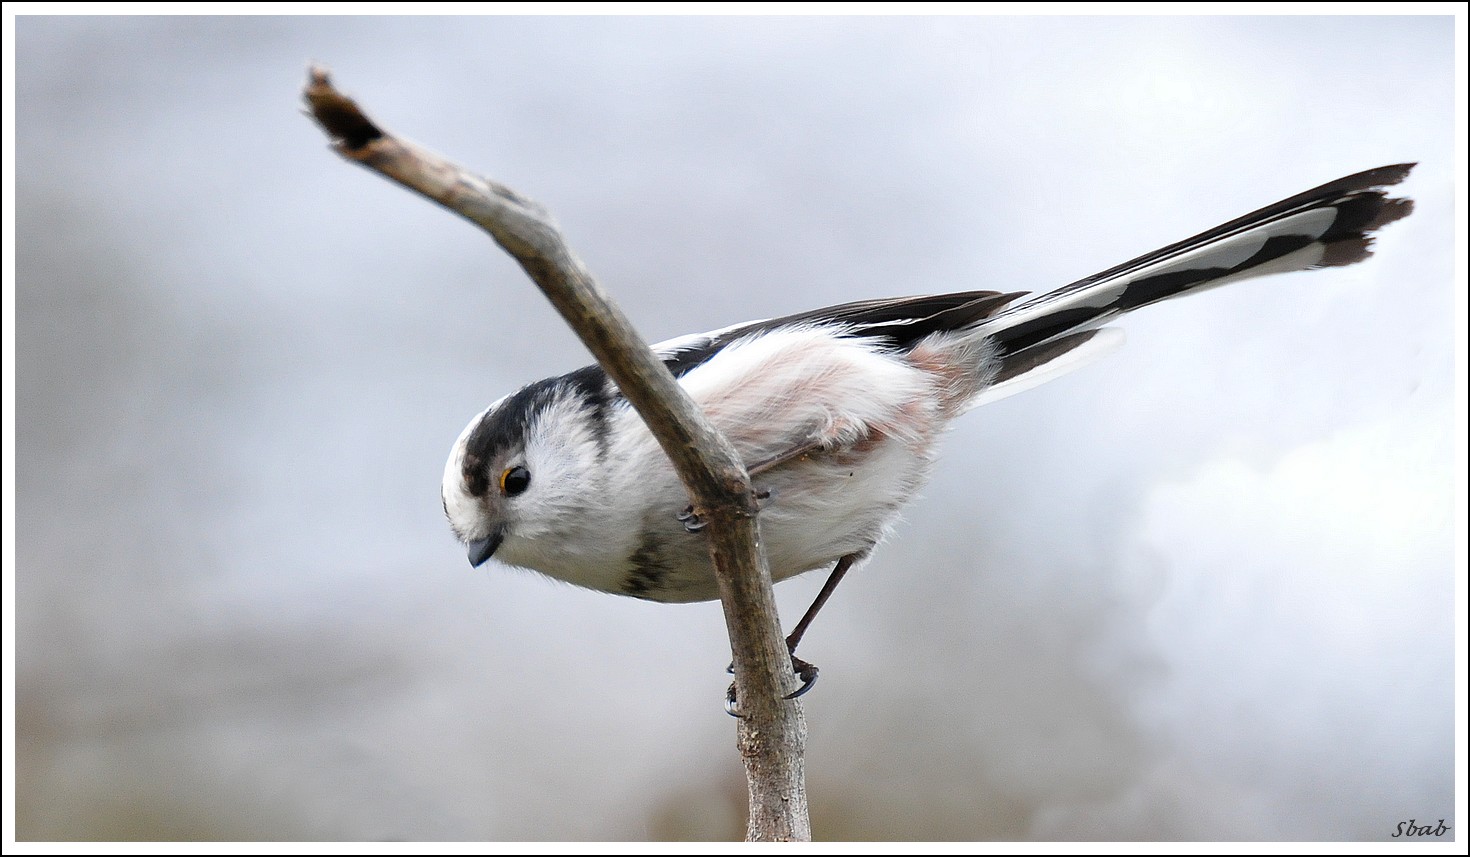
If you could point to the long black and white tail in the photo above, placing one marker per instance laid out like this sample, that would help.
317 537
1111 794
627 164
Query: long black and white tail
1328 226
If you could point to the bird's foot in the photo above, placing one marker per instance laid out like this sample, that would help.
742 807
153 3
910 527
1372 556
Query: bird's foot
805 670
693 523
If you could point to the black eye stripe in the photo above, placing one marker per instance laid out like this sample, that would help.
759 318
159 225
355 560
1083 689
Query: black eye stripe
514 480
504 428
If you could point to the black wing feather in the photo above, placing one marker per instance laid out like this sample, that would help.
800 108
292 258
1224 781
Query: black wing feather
897 323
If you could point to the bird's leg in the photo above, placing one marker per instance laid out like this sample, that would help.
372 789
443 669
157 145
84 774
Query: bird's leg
805 670
693 523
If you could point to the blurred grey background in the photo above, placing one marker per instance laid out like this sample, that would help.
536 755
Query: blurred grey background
1199 591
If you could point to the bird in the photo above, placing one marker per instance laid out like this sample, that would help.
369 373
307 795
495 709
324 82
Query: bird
836 412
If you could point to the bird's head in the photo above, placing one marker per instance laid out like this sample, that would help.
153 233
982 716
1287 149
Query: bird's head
526 468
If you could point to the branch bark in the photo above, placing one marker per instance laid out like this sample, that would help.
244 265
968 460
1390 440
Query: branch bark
772 730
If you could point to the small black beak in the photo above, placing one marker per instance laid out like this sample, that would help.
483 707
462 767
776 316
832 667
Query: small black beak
483 549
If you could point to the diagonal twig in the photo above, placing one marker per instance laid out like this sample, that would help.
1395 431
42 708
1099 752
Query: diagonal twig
772 730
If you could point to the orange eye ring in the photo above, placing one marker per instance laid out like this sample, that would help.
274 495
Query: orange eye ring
514 480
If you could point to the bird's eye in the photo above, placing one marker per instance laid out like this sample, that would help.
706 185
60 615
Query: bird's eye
514 480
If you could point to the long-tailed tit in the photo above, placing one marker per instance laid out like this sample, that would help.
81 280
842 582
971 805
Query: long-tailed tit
836 412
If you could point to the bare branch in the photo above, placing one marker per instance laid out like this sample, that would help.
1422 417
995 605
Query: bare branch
772 731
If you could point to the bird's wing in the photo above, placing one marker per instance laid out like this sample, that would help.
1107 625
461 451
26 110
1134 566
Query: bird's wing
896 322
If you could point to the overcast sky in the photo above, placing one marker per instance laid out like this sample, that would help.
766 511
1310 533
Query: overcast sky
1201 590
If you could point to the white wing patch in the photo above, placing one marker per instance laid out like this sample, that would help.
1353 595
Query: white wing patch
1095 347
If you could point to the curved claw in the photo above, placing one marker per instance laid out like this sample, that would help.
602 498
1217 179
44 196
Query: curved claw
691 520
805 671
